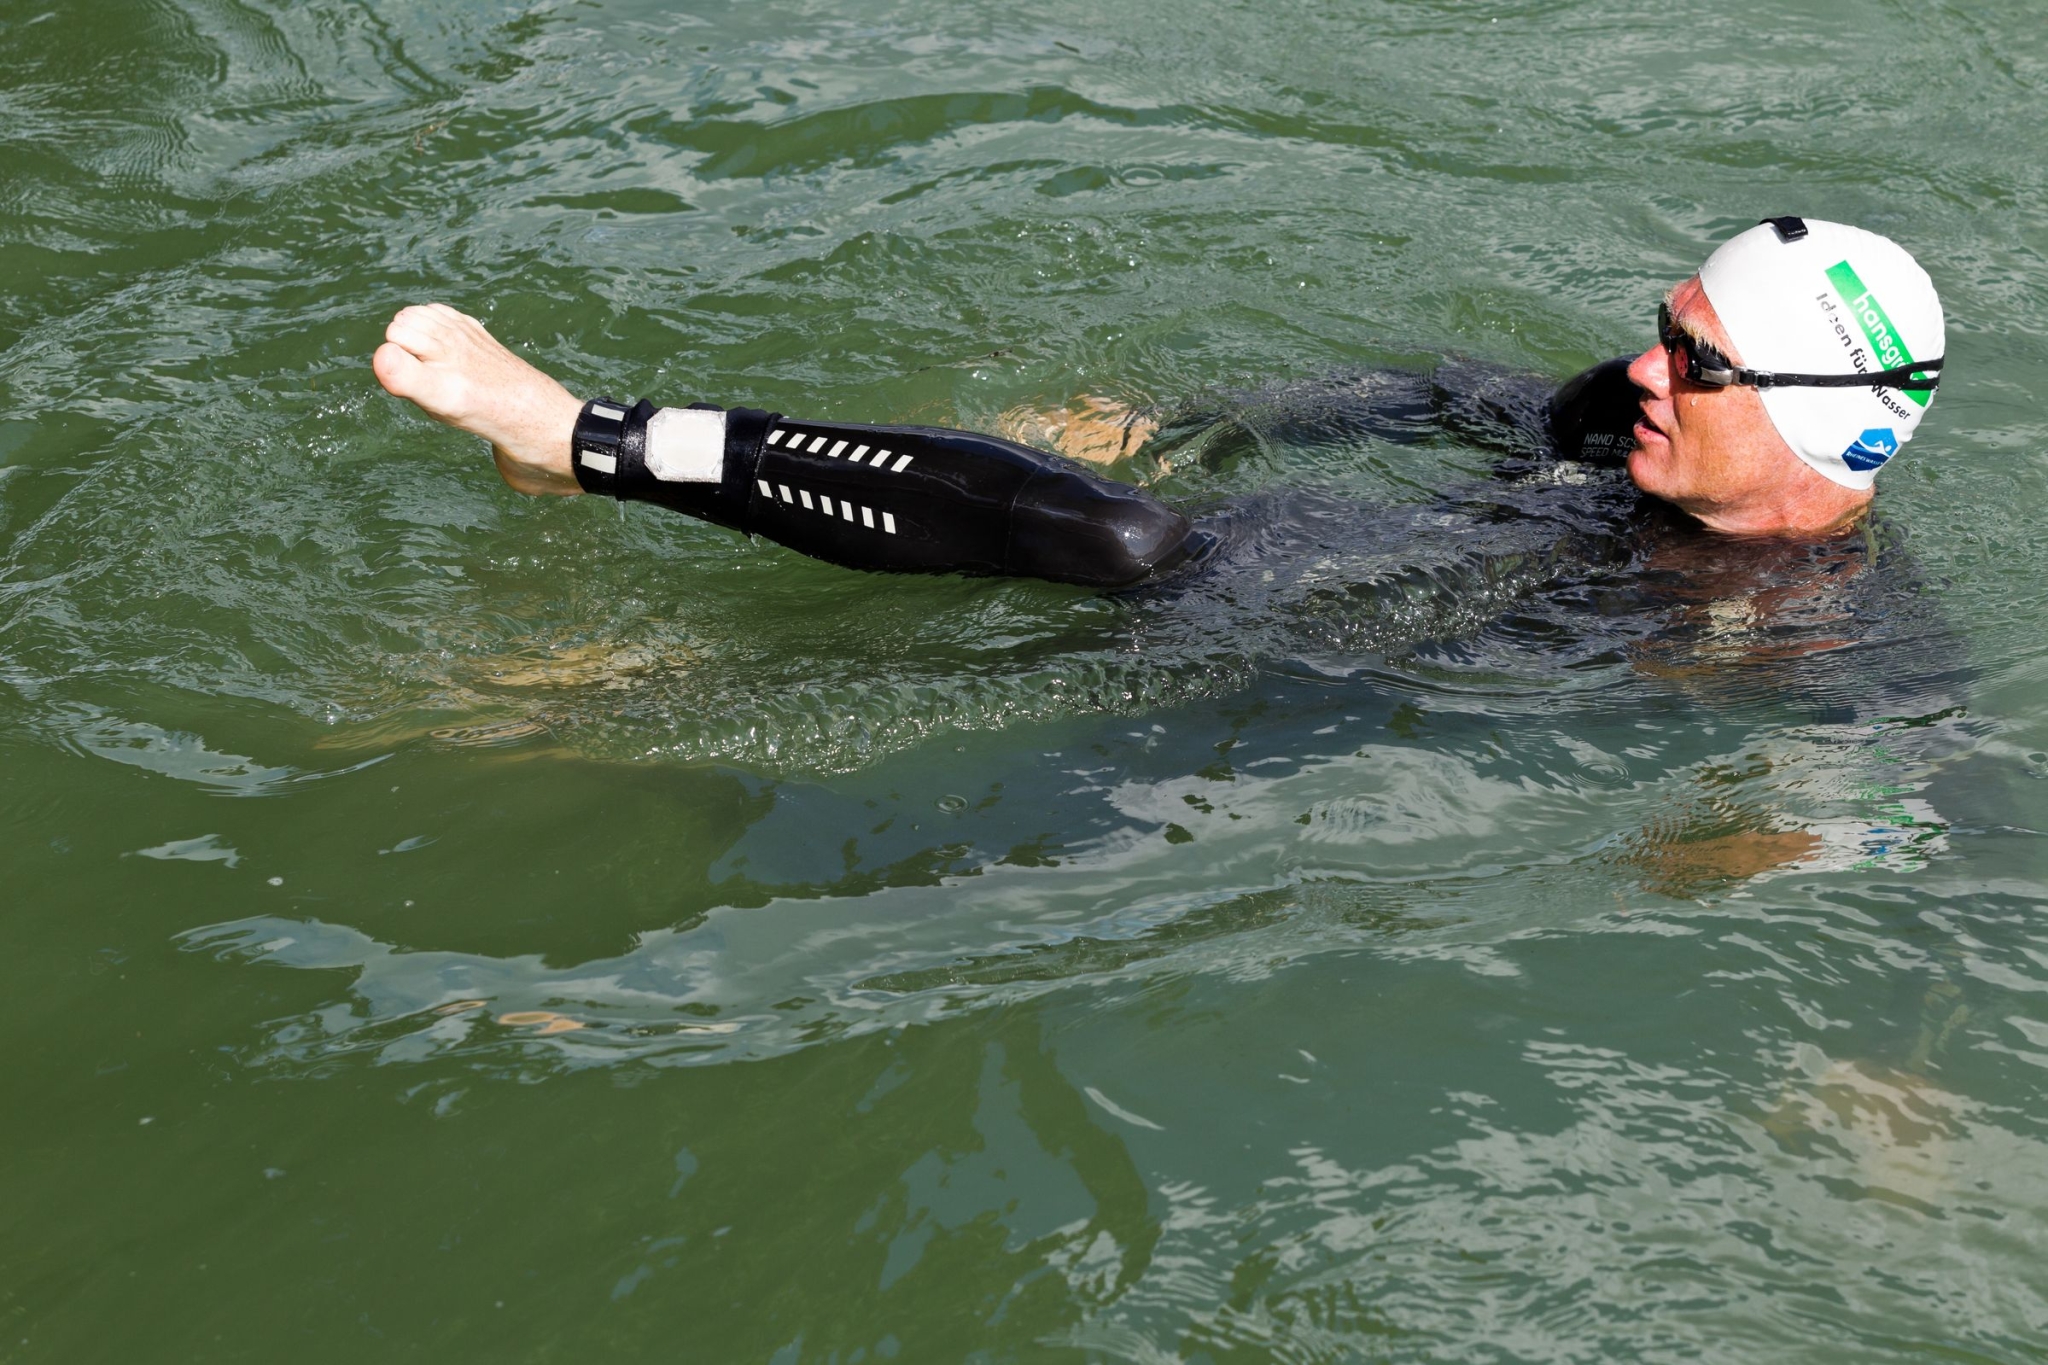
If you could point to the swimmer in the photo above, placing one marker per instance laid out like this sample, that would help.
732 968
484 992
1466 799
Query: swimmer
1785 373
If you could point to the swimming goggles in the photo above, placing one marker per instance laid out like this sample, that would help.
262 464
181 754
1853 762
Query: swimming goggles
1704 364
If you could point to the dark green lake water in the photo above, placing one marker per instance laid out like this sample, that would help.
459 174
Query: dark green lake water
445 925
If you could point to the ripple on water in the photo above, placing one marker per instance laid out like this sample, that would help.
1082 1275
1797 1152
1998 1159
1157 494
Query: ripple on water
1438 948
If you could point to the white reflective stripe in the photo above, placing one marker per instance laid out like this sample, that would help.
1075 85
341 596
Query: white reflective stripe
817 445
608 413
785 492
601 462
867 517
828 503
889 522
686 445
858 452
766 491
775 436
807 499
881 458
846 510
902 462
837 446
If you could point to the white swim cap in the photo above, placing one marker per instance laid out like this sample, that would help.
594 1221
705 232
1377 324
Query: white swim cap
1832 299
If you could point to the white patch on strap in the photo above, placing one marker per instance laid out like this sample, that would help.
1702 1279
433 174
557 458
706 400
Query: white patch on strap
785 492
902 461
837 446
609 414
807 499
828 503
867 517
766 491
601 462
775 437
686 445
889 522
858 452
846 510
817 445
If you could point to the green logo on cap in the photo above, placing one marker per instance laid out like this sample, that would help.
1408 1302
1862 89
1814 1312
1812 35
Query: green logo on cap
1877 328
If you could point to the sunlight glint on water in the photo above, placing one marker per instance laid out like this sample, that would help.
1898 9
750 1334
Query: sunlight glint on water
442 922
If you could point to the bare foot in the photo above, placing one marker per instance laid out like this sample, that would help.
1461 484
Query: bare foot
458 373
1898 1128
1098 430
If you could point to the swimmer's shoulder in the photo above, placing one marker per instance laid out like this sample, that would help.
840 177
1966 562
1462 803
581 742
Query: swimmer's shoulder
1593 414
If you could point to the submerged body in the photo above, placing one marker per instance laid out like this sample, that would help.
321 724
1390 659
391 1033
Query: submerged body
1552 567
1555 562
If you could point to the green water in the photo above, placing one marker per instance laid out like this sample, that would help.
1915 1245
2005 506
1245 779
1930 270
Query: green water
440 924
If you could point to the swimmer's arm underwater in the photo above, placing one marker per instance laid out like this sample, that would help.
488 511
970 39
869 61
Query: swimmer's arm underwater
904 499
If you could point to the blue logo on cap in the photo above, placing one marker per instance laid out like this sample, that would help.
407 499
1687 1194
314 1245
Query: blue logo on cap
1871 449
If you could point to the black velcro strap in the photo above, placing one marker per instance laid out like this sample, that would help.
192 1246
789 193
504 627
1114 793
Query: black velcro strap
596 446
632 473
1789 228
728 502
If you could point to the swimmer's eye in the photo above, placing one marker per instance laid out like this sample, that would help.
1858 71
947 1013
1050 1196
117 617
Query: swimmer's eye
1704 364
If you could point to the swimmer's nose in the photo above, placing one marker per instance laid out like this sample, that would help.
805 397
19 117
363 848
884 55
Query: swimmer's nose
1651 372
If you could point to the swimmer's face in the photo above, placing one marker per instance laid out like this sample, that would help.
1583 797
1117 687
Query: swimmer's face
1700 447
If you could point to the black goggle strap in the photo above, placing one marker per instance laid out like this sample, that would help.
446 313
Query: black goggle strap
1713 369
1920 377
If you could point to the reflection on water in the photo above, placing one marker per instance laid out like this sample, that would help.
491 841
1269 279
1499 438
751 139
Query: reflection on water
795 916
1397 1161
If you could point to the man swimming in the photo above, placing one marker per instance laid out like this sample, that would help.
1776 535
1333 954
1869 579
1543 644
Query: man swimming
1785 374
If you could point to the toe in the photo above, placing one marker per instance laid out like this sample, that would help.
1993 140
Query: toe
456 321
405 322
414 315
397 369
420 331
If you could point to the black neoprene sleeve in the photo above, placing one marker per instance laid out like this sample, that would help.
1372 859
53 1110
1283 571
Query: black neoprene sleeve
893 498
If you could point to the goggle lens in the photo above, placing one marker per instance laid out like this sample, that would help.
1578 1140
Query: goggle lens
1703 363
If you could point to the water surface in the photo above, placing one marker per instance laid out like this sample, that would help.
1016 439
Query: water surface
446 924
